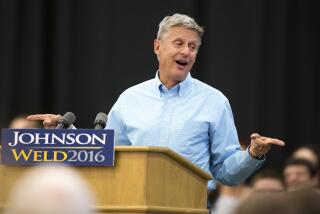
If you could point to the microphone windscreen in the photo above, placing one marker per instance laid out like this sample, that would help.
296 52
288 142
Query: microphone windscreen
67 119
101 119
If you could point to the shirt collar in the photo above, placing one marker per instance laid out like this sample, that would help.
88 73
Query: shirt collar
184 87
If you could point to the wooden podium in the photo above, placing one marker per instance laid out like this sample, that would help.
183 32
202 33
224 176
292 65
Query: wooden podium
144 180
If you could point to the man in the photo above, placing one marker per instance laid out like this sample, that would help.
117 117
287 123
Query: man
311 153
267 180
298 173
177 111
308 152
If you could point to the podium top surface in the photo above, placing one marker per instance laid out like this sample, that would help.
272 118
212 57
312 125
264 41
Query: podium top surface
165 150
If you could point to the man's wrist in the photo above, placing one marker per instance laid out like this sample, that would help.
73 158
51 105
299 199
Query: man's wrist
258 157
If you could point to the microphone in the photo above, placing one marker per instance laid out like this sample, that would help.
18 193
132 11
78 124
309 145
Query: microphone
67 119
100 121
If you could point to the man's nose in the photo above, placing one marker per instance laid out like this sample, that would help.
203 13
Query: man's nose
185 50
293 178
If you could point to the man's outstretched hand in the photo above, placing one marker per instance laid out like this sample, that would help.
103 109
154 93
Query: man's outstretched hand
260 145
49 121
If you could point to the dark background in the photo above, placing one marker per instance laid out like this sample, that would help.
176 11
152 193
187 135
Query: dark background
63 55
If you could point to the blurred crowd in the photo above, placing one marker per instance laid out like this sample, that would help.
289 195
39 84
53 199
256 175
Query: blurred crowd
294 189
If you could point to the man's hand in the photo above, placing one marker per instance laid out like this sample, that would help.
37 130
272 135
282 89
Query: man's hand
49 121
260 145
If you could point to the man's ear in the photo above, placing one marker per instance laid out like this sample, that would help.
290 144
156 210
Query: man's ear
156 46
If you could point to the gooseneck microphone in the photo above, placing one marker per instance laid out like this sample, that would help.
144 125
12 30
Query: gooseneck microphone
100 121
67 119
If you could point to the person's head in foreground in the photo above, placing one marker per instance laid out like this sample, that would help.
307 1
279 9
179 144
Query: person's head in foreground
50 190
303 201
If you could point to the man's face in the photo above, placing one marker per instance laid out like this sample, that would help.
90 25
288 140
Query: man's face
296 176
176 50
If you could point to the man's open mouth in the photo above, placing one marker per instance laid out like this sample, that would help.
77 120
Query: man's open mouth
181 62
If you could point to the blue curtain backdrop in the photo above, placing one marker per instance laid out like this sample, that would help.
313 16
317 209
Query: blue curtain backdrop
63 55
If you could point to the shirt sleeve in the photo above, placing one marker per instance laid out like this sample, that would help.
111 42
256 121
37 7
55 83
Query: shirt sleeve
115 122
228 163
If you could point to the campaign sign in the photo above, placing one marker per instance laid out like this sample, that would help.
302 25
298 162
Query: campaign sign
76 147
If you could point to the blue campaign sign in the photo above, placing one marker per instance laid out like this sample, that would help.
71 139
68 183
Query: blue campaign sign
76 147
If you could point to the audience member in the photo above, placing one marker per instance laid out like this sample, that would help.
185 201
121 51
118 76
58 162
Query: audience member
21 122
308 152
229 198
298 173
267 180
50 190
261 203
302 201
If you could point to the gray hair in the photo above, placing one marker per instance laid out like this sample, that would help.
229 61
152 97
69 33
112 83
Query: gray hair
178 20
44 183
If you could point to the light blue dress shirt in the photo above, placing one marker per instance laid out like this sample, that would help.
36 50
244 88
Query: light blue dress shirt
192 118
